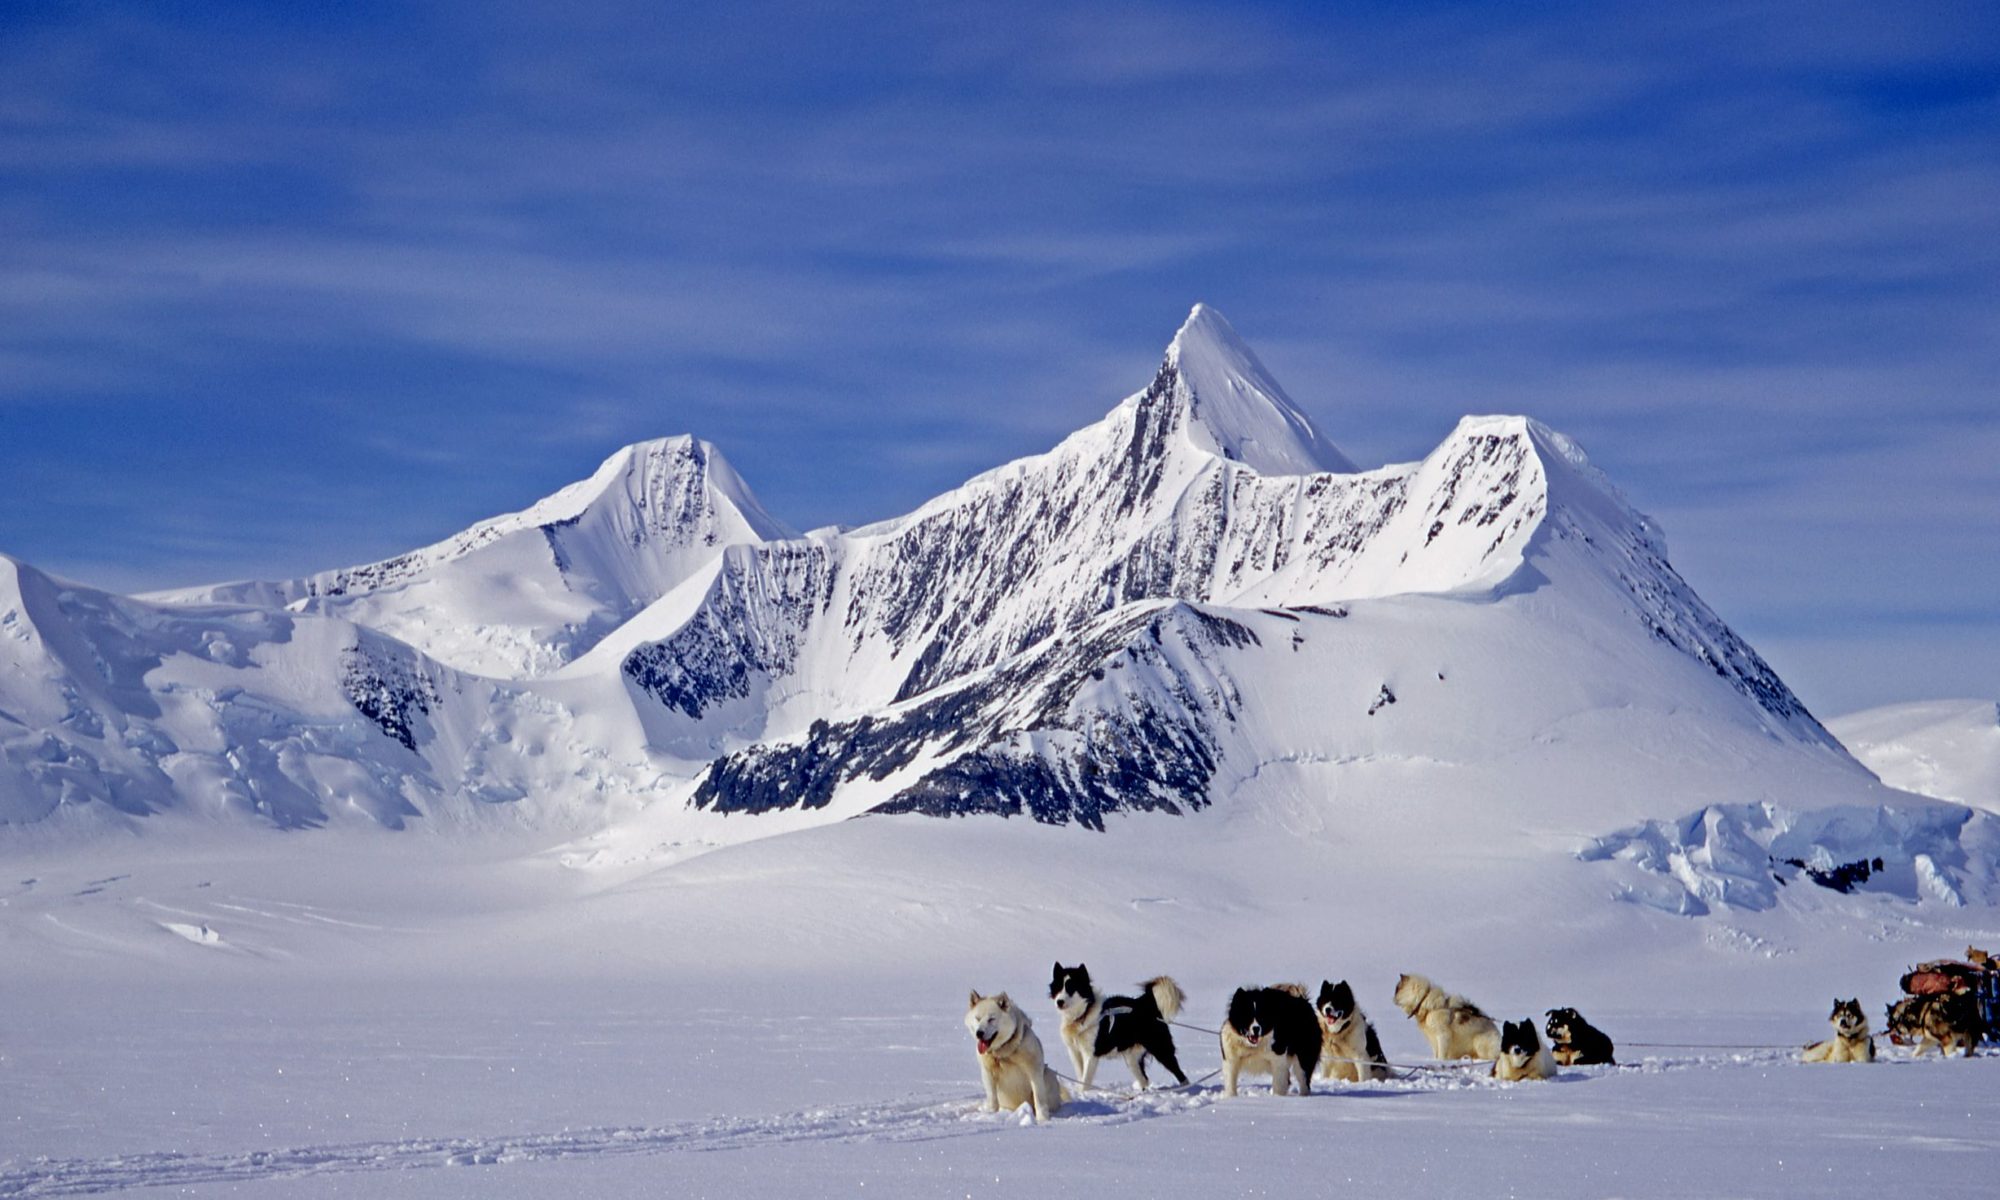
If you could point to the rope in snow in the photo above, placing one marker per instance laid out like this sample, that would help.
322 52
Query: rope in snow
1445 1068
1190 1085
1369 1062
1716 1045
1408 1069
1479 1062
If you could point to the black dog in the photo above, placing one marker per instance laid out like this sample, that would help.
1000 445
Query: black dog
1576 1042
1132 1027
1271 1030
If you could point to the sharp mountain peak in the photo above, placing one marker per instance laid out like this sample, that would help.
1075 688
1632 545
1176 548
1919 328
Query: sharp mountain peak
1235 408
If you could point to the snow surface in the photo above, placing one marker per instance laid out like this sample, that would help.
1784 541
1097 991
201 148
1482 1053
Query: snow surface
781 1019
1949 749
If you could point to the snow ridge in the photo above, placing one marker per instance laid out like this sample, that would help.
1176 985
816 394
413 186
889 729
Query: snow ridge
1744 856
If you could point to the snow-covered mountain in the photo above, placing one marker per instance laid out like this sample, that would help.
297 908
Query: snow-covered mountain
1148 504
903 643
522 594
1949 749
1195 607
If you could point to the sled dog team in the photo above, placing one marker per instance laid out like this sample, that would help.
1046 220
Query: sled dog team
1947 1022
1272 1031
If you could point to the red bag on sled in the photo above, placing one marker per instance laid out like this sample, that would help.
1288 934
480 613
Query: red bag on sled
1940 978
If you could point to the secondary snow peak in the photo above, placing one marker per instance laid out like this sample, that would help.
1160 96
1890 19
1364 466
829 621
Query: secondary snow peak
526 592
687 470
1235 409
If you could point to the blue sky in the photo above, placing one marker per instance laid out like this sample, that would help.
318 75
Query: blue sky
286 287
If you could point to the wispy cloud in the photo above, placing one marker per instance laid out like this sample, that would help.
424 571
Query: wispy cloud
451 256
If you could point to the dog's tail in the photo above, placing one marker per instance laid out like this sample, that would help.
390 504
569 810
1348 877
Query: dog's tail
1378 1062
1167 996
1296 989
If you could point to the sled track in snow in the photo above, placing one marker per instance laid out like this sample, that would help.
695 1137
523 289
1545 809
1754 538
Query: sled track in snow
902 1121
909 1121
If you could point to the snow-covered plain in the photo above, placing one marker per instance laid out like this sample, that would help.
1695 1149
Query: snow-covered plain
782 1019
631 845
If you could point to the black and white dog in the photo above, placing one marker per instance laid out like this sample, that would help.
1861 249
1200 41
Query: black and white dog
1132 1027
1271 1031
1522 1055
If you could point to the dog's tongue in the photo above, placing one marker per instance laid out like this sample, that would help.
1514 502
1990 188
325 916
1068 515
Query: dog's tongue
983 1044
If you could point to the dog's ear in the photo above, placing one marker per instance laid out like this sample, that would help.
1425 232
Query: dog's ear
1058 971
1343 995
976 998
1003 1002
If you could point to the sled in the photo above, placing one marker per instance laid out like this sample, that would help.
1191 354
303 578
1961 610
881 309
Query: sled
1944 976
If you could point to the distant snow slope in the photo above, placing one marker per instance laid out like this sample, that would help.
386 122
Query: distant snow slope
113 708
1949 749
524 593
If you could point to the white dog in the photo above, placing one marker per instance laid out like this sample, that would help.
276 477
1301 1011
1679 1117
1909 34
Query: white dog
1454 1025
1010 1058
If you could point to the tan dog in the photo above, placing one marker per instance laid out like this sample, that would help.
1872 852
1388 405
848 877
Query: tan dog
1348 1048
1850 1041
1453 1025
1947 1022
1010 1058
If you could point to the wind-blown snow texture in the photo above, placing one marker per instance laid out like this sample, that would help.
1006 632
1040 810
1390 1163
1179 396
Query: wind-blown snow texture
1196 603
